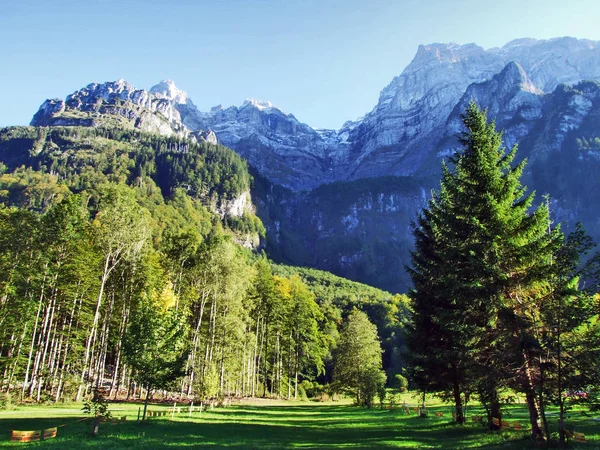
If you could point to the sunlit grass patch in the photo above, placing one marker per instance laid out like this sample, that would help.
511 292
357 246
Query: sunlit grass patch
279 425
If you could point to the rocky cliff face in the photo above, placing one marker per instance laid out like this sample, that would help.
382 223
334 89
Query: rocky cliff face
358 229
402 133
411 116
290 153
511 99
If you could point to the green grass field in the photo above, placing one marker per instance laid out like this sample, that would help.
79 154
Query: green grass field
279 425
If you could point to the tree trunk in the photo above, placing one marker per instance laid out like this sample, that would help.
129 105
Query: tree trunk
254 357
146 403
297 366
460 418
33 336
95 427
92 335
496 411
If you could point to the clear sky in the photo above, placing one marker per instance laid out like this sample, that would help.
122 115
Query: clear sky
325 61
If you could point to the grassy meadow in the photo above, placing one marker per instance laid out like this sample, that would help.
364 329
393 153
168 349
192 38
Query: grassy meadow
279 425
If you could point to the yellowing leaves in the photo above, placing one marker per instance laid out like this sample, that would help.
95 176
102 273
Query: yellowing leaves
168 299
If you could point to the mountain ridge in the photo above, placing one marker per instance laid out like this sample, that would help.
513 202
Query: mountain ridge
394 138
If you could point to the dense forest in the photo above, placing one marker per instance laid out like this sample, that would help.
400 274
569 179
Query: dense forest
121 270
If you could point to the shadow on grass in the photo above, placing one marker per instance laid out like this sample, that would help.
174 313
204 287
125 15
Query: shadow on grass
274 427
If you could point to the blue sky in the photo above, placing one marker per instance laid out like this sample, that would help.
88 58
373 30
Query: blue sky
325 61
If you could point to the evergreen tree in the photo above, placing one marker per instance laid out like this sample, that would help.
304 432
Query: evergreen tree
481 265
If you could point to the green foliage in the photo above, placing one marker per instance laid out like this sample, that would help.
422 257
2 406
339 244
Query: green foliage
43 165
358 359
247 224
400 382
117 263
5 401
156 342
487 271
338 296
96 406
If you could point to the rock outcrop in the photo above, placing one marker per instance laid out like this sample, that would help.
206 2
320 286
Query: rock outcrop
115 103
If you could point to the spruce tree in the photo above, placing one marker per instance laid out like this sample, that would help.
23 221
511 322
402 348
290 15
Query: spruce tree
481 263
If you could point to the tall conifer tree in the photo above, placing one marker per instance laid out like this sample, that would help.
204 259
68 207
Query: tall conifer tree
481 262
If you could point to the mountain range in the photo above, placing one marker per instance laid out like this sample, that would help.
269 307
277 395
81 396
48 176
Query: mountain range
343 200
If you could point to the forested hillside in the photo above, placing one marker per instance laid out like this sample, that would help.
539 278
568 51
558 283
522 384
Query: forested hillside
121 268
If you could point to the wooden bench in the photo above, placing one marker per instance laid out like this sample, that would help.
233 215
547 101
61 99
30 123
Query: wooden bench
25 436
49 433
579 437
476 418
496 422
517 426
439 414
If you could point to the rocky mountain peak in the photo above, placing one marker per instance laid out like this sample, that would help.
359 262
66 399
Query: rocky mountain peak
514 76
511 99
259 104
113 103
168 90
399 136
440 52
550 62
